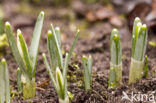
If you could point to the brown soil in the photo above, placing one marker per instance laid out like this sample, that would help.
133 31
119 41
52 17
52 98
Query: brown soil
94 41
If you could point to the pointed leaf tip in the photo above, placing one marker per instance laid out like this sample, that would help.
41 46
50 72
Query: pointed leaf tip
84 57
78 31
49 33
115 30
42 13
7 24
43 54
3 61
57 28
19 32
144 27
137 19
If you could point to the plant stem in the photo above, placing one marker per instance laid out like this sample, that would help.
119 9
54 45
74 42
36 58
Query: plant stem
112 78
136 70
118 73
66 100
29 87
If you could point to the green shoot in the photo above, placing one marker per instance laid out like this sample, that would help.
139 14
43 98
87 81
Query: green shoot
116 62
25 59
112 78
146 67
1 22
57 63
139 41
87 67
4 83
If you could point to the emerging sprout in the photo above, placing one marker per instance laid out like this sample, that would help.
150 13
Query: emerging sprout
116 63
56 63
25 59
139 41
146 67
112 78
87 67
4 83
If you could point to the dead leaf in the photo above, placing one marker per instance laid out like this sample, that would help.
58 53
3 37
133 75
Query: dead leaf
116 21
104 13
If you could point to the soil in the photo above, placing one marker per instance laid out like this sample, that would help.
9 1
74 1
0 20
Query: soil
94 41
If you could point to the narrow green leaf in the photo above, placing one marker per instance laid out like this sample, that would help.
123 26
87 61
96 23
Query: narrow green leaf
24 51
18 76
59 53
65 73
50 72
134 39
60 83
73 45
6 78
141 43
90 68
2 83
34 47
86 73
14 48
55 56
68 56
1 26
57 31
146 67
115 47
134 33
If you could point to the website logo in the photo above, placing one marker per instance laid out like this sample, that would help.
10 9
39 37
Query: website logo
138 97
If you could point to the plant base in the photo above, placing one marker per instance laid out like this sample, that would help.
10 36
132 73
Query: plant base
136 70
118 72
64 101
29 89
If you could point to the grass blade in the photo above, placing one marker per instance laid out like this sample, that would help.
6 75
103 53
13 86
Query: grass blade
65 73
146 67
86 73
57 31
14 47
34 47
70 53
2 83
24 51
7 86
115 47
73 45
141 43
60 83
135 30
90 68
18 76
59 53
53 51
49 72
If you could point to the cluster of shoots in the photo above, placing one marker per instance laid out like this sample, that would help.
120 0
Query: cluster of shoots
87 67
26 59
115 74
4 83
58 66
138 66
57 69
139 41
